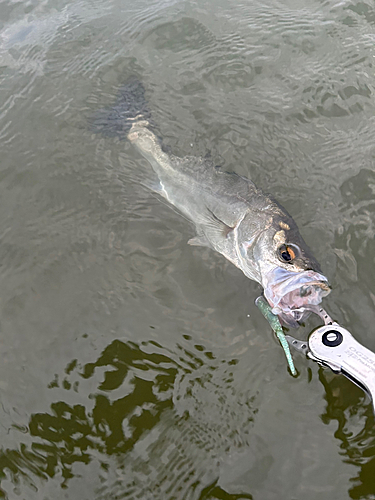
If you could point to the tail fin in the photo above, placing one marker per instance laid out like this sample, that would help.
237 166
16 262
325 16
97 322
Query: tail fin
130 106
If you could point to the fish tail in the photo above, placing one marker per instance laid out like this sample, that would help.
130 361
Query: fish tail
130 107
130 118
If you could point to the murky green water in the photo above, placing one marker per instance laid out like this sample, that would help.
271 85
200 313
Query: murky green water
133 365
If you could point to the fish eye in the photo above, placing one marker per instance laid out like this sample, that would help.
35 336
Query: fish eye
287 253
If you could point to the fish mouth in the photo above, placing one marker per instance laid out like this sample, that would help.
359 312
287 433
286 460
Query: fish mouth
291 293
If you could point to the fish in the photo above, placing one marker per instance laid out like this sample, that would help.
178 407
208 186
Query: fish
231 215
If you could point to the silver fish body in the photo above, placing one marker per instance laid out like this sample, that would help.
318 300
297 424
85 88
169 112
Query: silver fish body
235 218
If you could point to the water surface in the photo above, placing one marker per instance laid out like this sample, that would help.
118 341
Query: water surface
133 365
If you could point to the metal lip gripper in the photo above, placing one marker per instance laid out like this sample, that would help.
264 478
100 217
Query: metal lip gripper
333 346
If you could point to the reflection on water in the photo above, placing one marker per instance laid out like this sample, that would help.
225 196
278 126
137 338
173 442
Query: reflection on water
355 430
154 415
133 365
132 418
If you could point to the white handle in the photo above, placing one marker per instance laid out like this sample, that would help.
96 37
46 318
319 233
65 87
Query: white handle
336 347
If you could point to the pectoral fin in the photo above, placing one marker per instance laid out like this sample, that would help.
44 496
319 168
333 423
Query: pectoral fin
217 226
210 230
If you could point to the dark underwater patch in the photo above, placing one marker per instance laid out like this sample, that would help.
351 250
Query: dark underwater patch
116 121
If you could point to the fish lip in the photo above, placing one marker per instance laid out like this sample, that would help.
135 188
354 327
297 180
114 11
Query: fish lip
283 291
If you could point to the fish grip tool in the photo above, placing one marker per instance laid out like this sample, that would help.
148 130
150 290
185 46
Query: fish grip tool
333 346
329 345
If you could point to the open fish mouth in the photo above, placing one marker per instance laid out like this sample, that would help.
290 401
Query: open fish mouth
290 294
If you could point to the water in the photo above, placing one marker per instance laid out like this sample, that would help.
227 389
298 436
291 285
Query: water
133 365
